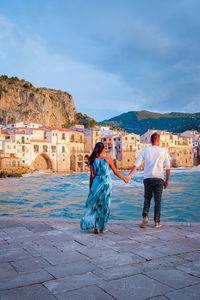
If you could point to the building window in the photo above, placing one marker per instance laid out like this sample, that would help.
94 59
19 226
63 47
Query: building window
53 149
22 139
81 138
36 148
104 140
63 136
132 137
131 148
23 148
45 148
126 139
63 148
72 138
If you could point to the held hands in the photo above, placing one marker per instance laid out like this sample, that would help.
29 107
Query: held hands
166 183
127 179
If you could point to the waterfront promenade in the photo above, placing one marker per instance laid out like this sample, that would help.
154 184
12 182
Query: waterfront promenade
53 259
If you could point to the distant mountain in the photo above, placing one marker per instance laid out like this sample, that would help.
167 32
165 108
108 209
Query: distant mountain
140 121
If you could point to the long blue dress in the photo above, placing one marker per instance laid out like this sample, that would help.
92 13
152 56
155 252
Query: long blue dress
97 207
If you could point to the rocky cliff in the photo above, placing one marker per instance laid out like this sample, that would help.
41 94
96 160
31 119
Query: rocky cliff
21 101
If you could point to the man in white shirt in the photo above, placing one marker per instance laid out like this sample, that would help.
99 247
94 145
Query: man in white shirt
155 158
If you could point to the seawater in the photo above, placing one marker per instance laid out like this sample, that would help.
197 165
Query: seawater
64 195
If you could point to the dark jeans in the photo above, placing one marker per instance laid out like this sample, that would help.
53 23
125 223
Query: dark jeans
153 187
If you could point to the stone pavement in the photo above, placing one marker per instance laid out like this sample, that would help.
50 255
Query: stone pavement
54 259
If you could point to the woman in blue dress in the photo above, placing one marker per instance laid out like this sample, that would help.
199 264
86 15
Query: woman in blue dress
97 207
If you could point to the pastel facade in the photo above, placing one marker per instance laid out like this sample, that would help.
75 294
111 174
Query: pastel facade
180 147
47 148
127 147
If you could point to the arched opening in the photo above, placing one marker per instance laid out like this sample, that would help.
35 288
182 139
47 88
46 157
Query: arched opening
72 163
86 167
80 163
42 162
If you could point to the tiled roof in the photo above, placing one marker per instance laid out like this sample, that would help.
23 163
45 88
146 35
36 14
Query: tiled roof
61 129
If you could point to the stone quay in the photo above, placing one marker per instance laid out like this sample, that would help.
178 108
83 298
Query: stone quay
54 259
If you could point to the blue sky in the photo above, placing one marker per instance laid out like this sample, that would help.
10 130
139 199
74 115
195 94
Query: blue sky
113 56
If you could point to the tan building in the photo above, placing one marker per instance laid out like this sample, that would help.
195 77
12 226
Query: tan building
127 147
180 147
195 136
181 156
47 148
109 142
7 162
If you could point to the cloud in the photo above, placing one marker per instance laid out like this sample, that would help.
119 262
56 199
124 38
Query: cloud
111 57
95 91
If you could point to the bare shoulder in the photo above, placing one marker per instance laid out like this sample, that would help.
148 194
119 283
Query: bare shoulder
108 159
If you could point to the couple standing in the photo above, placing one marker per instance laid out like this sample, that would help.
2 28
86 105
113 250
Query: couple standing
97 207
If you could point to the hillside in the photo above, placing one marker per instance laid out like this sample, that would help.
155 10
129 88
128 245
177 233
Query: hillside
20 101
140 121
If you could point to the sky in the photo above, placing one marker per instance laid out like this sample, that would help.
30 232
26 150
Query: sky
113 56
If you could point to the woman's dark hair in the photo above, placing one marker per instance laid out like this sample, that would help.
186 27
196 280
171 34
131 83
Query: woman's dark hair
97 150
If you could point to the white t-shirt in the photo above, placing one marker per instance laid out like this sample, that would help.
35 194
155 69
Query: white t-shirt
155 159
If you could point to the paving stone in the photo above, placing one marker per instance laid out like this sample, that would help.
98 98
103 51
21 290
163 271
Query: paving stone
167 262
10 255
33 292
18 231
3 235
24 279
5 223
97 252
173 278
137 287
38 227
64 257
6 270
188 293
30 264
71 282
70 269
149 253
173 249
117 259
91 292
118 272
192 256
192 268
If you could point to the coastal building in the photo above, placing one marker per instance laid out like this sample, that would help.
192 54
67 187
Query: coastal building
44 148
180 147
127 149
181 156
110 142
195 136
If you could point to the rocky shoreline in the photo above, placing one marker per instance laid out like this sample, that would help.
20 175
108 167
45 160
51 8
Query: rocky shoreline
18 172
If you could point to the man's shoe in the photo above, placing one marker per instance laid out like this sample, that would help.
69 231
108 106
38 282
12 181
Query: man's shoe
144 222
158 225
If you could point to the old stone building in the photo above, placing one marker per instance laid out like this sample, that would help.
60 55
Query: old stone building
181 156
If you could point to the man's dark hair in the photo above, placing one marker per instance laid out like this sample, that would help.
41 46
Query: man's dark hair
155 137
